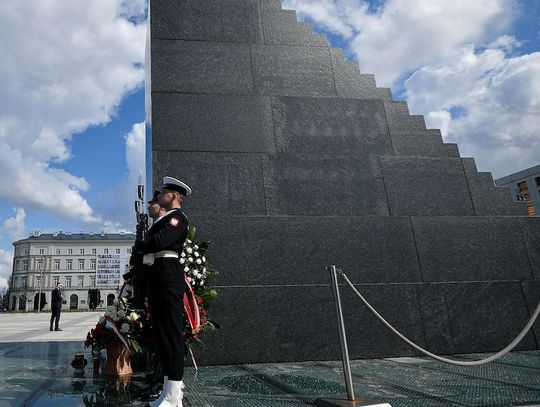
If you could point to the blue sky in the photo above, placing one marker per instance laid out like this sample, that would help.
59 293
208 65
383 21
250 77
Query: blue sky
72 94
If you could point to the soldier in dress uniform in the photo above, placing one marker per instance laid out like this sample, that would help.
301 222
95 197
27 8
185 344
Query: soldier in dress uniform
153 391
167 286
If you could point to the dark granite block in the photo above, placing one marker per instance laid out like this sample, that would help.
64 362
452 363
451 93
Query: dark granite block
318 184
531 290
209 20
488 199
426 186
470 249
427 143
296 250
437 330
282 27
188 122
485 317
331 125
276 314
350 83
299 323
530 229
226 183
201 67
270 5
282 70
399 119
367 336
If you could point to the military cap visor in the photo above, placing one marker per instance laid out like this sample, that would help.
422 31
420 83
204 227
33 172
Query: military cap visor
154 199
173 184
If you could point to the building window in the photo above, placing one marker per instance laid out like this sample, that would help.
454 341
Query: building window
94 251
537 179
25 265
69 264
41 251
80 281
57 251
106 251
16 282
81 251
81 264
68 281
129 250
70 251
40 264
117 251
37 281
92 281
57 264
93 264
23 282
26 251
524 195
56 280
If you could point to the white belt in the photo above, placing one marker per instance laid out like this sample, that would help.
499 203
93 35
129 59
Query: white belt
166 253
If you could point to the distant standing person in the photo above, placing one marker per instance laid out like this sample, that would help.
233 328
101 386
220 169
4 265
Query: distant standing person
56 306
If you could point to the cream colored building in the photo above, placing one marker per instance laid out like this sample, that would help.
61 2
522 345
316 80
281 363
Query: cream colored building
73 259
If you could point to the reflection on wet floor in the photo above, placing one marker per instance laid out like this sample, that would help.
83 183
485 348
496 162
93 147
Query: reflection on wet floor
40 374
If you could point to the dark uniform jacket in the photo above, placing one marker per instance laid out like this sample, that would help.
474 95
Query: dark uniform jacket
56 298
168 233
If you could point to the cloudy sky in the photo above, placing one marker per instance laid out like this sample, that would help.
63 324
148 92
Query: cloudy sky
72 97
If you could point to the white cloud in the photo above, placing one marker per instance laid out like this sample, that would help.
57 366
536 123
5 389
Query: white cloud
116 204
6 264
498 103
402 36
14 227
457 64
65 66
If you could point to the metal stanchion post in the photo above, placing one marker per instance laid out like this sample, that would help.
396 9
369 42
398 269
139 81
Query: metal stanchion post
351 401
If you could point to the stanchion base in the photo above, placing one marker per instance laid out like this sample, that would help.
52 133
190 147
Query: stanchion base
349 403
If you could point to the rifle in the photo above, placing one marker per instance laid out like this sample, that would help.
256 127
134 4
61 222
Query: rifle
141 232
141 217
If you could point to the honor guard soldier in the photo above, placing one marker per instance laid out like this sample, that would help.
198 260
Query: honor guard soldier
166 286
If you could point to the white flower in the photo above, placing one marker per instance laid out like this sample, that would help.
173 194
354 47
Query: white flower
189 250
182 261
195 247
198 261
190 259
134 316
196 254
186 269
121 314
124 328
204 269
183 254
203 258
189 241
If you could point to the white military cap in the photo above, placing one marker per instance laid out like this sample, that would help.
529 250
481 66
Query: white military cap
176 185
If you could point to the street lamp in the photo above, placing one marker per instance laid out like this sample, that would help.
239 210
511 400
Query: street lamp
42 264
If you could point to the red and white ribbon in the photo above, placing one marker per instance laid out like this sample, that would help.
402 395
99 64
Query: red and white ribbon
192 308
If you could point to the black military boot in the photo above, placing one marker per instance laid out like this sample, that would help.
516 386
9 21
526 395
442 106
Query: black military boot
152 392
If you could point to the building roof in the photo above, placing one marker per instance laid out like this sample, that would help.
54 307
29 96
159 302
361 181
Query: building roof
67 236
518 176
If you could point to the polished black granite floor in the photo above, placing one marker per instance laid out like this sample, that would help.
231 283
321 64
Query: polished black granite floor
40 374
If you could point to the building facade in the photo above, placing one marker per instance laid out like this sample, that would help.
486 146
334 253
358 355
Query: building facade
74 259
525 185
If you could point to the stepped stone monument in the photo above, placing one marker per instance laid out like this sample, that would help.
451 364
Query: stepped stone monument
298 161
